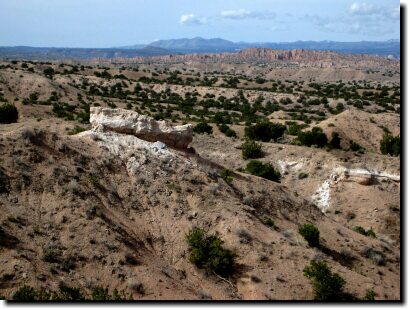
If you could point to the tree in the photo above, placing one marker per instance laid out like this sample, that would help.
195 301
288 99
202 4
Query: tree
48 72
251 150
313 137
327 286
203 128
390 145
207 252
8 114
335 141
311 234
263 170
265 131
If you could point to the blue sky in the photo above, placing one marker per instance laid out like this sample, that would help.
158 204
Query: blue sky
107 23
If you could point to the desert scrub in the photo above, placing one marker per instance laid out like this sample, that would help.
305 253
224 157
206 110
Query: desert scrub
311 234
303 175
227 131
368 233
390 145
265 131
251 150
226 175
76 130
327 286
101 294
335 141
203 128
4 182
8 113
269 222
207 252
355 147
263 170
313 137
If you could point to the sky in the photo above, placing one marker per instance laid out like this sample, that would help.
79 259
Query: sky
110 23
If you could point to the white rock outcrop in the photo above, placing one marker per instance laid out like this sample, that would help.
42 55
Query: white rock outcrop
361 176
141 126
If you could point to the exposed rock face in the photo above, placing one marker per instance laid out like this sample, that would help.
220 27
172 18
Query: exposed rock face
343 174
141 126
292 58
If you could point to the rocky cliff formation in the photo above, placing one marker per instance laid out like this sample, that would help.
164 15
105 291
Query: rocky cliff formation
295 57
141 126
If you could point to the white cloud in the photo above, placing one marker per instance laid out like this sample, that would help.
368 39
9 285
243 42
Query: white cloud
278 28
363 8
191 19
246 14
366 10
351 24
236 14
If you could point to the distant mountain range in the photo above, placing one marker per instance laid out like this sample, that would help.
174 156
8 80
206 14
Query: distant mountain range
390 48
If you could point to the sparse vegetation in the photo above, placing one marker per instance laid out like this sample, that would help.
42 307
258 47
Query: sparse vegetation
361 230
207 252
260 169
311 234
390 145
251 150
265 131
203 128
8 113
314 137
327 286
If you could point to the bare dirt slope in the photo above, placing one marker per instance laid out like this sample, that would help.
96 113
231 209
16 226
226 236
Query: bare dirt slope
72 211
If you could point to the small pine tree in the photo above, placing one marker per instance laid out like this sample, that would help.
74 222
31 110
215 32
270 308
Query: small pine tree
203 128
311 234
251 150
335 141
327 286
263 170
8 114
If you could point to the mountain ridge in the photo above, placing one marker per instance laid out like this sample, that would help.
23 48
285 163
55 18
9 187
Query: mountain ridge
197 45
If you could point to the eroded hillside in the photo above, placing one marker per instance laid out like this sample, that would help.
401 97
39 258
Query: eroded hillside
96 191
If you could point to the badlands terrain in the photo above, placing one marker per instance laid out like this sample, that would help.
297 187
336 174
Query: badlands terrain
115 171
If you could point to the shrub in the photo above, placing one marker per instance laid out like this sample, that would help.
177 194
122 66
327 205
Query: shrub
313 137
100 293
227 131
202 128
265 131
269 222
327 286
294 129
368 233
263 170
207 252
303 175
355 147
390 145
25 293
376 256
370 295
4 182
51 254
226 175
335 141
48 72
8 114
251 150
360 230
68 293
311 234
76 130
